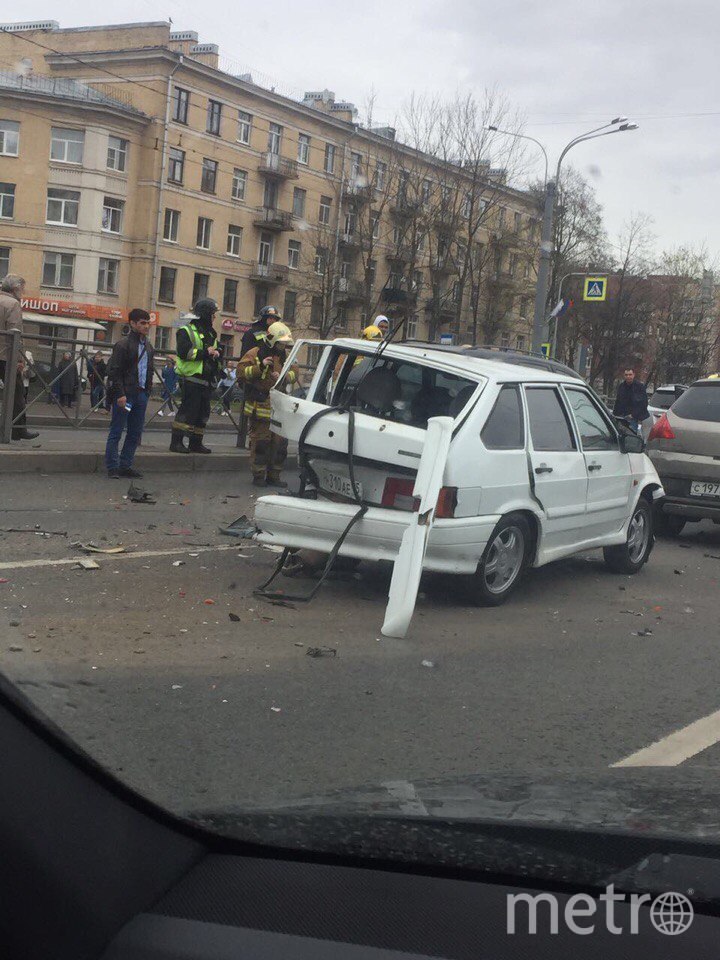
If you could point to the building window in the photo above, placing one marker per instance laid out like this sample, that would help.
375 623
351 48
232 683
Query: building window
208 180
266 249
456 292
274 138
9 138
356 161
421 242
117 154
512 264
517 222
290 306
411 325
380 175
525 308
66 146
230 296
417 281
341 317
501 217
112 215
426 190
7 201
298 207
294 254
162 338
4 262
303 154
204 232
172 225
520 342
176 165
234 240
505 341
394 281
262 296
58 269
181 103
526 269
325 207
316 312
244 126
350 223
201 282
346 269
329 162
397 235
372 272
214 113
62 206
168 275
239 184
467 205
320 260
108 272
375 226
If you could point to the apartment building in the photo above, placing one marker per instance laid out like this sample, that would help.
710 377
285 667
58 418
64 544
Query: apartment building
135 171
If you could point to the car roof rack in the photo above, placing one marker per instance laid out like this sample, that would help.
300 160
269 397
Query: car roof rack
521 358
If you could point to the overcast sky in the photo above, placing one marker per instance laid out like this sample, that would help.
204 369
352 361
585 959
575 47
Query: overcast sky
567 65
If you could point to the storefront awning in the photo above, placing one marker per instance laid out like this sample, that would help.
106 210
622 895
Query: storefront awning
50 320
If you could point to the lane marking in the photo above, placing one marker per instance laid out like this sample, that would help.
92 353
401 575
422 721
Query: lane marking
405 793
678 746
137 555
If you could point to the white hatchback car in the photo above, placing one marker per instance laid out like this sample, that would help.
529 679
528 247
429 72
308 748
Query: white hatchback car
536 469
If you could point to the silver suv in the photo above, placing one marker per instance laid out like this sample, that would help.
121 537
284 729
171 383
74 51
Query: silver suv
684 445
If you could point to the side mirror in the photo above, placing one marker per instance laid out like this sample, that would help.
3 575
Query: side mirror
631 443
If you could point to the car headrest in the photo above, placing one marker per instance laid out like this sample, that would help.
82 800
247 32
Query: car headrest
379 388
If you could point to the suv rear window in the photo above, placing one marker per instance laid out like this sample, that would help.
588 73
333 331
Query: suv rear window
393 389
663 399
700 402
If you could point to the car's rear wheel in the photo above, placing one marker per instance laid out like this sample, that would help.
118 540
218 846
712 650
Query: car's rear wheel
503 562
630 556
667 524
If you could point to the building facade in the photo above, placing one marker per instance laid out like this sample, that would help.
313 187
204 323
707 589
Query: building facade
135 172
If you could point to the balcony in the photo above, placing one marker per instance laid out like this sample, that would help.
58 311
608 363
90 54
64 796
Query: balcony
394 295
445 218
349 290
354 241
268 218
405 207
273 165
441 308
400 254
441 266
356 190
269 273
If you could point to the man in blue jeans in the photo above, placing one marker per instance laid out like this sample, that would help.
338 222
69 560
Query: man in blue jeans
129 379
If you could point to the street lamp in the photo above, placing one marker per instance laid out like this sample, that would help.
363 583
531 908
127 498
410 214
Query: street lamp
521 136
618 125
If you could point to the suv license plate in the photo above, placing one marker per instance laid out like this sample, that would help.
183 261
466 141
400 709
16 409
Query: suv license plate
704 488
339 483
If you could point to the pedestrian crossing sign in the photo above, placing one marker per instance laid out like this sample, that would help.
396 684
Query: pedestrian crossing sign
545 349
595 288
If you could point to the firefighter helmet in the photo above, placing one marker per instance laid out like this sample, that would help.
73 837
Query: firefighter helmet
279 333
270 314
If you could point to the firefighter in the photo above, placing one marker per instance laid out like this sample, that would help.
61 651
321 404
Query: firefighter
197 367
258 331
369 333
260 369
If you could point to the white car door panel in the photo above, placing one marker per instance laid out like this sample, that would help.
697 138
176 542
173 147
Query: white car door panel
557 468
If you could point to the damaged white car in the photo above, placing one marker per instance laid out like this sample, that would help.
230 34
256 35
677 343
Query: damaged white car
472 466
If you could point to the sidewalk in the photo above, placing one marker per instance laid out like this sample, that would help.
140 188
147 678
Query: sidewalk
65 450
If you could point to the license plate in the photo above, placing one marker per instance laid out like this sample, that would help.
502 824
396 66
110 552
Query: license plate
704 488
338 483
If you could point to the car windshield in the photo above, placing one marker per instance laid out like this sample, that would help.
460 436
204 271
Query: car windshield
662 399
700 402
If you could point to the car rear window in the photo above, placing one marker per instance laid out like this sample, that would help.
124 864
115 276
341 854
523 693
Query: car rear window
663 399
504 429
393 389
700 402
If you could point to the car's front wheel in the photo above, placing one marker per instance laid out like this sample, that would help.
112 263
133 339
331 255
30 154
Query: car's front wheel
503 561
630 556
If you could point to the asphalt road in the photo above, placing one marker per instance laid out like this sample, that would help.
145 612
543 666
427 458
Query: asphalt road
202 696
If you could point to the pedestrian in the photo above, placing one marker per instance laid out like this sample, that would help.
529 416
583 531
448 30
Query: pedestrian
97 371
260 370
382 322
258 331
631 401
11 318
170 385
69 380
129 380
197 366
227 387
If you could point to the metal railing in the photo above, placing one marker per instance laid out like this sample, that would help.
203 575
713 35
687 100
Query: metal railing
65 88
273 163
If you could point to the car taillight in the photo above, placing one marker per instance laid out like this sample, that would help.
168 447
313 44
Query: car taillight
661 430
398 493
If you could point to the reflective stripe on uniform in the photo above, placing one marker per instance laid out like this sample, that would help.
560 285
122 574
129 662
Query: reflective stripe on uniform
256 408
191 366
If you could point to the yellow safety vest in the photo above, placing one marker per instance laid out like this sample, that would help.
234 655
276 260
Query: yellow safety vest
193 363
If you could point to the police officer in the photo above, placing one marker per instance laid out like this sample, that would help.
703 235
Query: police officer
258 331
197 367
259 370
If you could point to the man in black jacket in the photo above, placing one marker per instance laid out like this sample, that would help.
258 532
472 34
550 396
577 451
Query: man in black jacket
129 379
197 365
631 401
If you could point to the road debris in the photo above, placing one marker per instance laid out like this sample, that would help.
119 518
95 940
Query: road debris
36 530
427 663
137 495
91 548
321 652
209 601
234 617
679 572
178 563
14 648
85 563
275 709
645 632
177 686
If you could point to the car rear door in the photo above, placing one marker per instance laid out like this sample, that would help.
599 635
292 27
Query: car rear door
609 472
557 468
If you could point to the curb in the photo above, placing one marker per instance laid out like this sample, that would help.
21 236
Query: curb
18 462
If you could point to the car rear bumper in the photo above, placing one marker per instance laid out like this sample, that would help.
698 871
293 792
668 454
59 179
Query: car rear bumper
693 509
684 466
454 546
